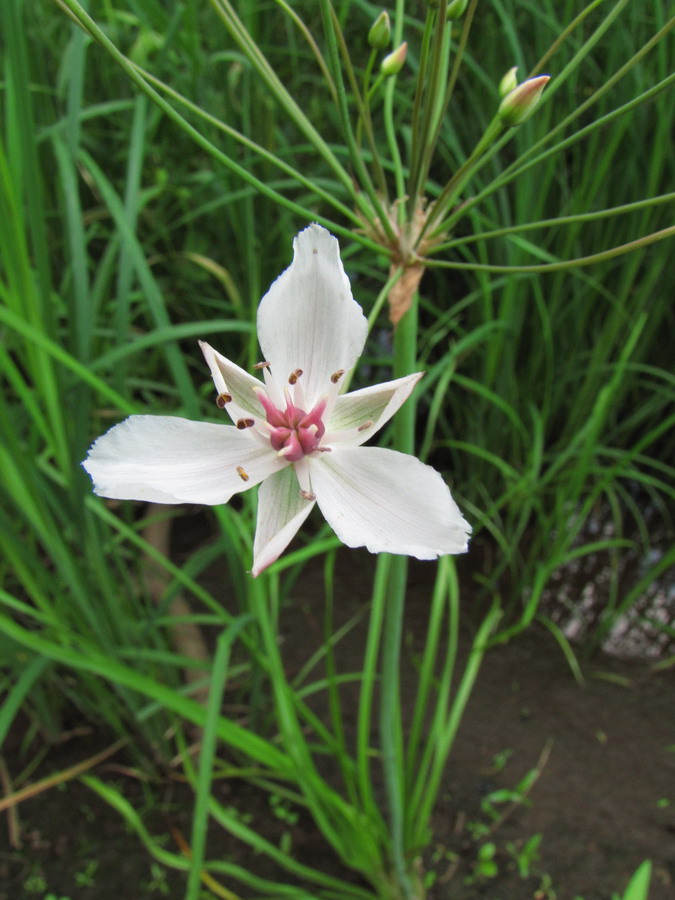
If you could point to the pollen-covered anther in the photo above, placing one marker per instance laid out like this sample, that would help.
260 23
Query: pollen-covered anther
365 425
307 495
245 423
242 473
261 365
293 377
336 376
222 399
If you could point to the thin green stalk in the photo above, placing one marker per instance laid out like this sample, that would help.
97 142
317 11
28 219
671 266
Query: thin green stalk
218 680
594 258
369 680
419 105
332 682
488 146
363 108
307 34
131 205
562 37
366 91
557 83
389 123
420 763
442 745
443 105
355 153
575 219
425 136
444 572
391 726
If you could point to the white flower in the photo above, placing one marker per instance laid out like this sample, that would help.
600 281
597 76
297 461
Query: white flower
294 434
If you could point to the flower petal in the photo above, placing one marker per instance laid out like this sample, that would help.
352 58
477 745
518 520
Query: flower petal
281 511
173 460
388 502
375 404
230 379
308 319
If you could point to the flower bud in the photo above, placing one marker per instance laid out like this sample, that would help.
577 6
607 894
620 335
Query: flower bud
393 63
380 31
509 82
456 9
519 103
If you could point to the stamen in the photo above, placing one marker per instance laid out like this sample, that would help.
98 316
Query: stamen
307 495
272 388
363 427
324 449
245 423
242 473
222 399
293 377
262 365
302 474
336 376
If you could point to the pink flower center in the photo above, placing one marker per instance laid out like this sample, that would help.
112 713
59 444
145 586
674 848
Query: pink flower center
294 432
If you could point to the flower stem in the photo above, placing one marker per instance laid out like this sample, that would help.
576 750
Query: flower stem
391 727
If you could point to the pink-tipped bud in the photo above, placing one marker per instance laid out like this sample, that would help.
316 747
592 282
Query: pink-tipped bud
456 9
380 31
519 104
393 63
509 82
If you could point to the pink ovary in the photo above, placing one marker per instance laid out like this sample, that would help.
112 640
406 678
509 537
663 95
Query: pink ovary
294 432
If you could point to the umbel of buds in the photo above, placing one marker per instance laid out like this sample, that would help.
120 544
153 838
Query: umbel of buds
518 105
380 31
393 63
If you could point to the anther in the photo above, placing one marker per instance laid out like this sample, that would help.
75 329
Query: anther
222 399
242 473
307 495
293 377
262 365
360 428
336 376
245 423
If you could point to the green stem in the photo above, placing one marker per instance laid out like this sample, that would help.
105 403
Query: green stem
575 219
391 727
594 258
362 175
442 106
434 90
388 111
418 105
362 103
